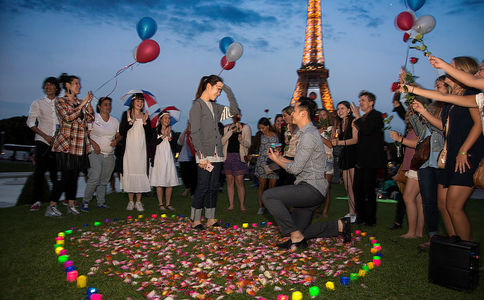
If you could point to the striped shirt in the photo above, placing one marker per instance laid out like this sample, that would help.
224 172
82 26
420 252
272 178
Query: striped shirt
310 161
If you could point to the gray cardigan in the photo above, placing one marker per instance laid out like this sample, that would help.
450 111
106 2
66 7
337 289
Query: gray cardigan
204 126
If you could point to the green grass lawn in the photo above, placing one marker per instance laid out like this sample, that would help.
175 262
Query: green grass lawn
29 268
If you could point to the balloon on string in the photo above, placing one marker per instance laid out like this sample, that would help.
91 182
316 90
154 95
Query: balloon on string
424 24
146 28
404 21
226 65
147 51
415 4
413 60
225 43
234 52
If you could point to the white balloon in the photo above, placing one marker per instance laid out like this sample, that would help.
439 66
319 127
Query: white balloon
424 24
234 52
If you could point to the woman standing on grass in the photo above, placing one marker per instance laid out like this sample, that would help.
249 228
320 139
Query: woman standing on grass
163 171
71 141
104 135
205 115
325 128
236 141
136 130
265 176
346 135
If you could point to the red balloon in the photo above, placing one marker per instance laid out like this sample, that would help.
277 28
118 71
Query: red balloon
404 21
413 60
148 50
406 36
226 65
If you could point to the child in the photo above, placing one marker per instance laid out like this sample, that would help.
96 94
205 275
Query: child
163 171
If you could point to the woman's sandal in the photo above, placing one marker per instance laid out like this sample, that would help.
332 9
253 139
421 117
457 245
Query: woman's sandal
170 207
162 207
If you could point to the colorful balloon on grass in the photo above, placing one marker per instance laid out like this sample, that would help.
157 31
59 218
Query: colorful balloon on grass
234 52
404 21
424 24
146 28
147 51
226 65
225 43
415 4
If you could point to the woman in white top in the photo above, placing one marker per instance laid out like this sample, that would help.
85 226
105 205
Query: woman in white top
103 135
163 171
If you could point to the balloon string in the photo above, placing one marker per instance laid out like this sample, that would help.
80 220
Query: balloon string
220 72
117 74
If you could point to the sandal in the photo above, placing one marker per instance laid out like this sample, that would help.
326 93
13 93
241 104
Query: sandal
162 207
170 207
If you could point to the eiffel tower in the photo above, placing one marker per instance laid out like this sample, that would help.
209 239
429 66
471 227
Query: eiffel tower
312 74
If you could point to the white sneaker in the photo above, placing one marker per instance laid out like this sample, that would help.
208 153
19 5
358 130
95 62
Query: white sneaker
52 211
130 205
261 211
139 206
71 210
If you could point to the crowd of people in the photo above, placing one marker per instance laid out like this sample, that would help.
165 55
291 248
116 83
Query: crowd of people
292 159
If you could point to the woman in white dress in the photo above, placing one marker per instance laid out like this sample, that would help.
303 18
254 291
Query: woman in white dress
135 128
163 171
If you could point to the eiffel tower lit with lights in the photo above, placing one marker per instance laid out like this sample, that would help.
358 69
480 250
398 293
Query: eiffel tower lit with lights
312 74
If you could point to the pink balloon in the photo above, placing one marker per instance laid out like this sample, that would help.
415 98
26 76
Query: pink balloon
226 65
148 50
404 21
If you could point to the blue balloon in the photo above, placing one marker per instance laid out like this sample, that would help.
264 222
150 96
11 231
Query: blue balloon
415 4
146 28
225 43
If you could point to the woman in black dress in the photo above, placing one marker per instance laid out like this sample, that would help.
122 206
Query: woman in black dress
347 136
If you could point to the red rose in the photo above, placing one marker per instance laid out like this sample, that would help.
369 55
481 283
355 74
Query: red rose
406 36
384 115
395 86
413 60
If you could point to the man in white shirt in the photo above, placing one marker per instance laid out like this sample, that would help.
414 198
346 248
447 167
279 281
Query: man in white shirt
43 121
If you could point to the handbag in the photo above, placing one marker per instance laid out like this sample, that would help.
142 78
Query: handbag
479 175
422 154
443 154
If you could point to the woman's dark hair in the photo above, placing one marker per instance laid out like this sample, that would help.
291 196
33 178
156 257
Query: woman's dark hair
265 121
131 102
159 126
212 79
54 81
350 116
100 102
64 78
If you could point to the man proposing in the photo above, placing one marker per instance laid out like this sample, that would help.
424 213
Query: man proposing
308 190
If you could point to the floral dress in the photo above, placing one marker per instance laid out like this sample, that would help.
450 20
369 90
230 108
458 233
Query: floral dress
265 143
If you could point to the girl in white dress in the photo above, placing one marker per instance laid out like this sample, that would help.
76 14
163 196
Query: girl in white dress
135 127
163 171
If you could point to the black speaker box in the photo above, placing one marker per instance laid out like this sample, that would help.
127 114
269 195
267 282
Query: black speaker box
454 263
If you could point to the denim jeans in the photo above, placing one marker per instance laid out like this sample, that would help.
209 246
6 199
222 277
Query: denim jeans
207 188
98 176
427 179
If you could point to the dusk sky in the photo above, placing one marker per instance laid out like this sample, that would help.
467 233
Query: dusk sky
93 39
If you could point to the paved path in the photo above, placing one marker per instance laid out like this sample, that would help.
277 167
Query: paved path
11 184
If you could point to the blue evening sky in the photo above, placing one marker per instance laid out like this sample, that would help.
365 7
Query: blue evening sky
94 38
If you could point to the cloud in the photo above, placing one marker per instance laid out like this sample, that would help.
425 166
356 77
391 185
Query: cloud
359 15
466 6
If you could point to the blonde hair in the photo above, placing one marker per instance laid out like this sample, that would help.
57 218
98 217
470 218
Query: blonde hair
466 64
